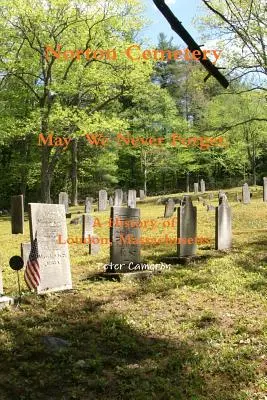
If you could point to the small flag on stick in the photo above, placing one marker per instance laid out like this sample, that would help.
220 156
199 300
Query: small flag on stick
32 271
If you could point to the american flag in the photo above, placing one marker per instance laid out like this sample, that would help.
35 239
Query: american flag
32 271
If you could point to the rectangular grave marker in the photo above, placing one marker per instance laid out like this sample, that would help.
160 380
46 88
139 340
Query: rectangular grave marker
132 198
17 214
223 226
142 194
48 225
169 208
123 250
245 194
186 228
195 187
63 198
202 186
102 200
118 198
88 226
88 205
264 189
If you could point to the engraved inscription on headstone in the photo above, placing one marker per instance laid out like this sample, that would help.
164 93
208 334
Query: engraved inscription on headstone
118 198
132 198
48 226
195 187
202 186
102 200
245 194
63 198
264 189
187 228
169 208
223 226
124 232
88 226
17 214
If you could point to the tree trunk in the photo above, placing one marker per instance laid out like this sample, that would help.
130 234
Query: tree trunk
46 176
74 177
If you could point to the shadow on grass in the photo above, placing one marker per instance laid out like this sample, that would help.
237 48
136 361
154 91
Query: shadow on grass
108 359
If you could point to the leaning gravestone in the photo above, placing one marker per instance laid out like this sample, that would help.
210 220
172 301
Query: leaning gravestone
245 194
17 214
187 228
264 189
102 200
169 208
132 198
48 226
88 205
142 194
88 226
118 198
123 237
196 187
202 186
63 198
223 225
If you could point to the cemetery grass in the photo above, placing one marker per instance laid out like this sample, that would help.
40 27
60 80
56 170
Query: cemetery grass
194 332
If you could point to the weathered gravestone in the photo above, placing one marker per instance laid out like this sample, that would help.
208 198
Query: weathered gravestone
245 194
63 198
88 205
124 236
110 201
169 208
17 214
102 200
132 198
118 198
48 226
94 245
211 196
195 187
187 228
264 189
202 186
25 249
4 300
88 226
142 194
223 225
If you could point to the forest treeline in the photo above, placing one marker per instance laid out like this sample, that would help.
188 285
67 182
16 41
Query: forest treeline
104 97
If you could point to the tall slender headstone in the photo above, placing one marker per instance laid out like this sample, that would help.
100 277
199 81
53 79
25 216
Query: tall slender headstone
118 198
17 214
88 205
195 187
63 198
132 198
264 189
48 226
202 186
186 228
223 225
169 208
245 194
102 200
142 194
110 201
124 234
87 226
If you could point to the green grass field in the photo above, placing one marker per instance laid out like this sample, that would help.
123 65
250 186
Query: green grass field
194 332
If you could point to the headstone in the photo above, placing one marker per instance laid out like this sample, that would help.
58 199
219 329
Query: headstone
132 198
124 233
195 187
202 186
169 208
220 194
211 196
118 198
63 198
94 245
48 226
88 205
245 194
110 200
142 194
17 214
25 249
88 226
125 198
187 228
102 200
223 225
264 189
